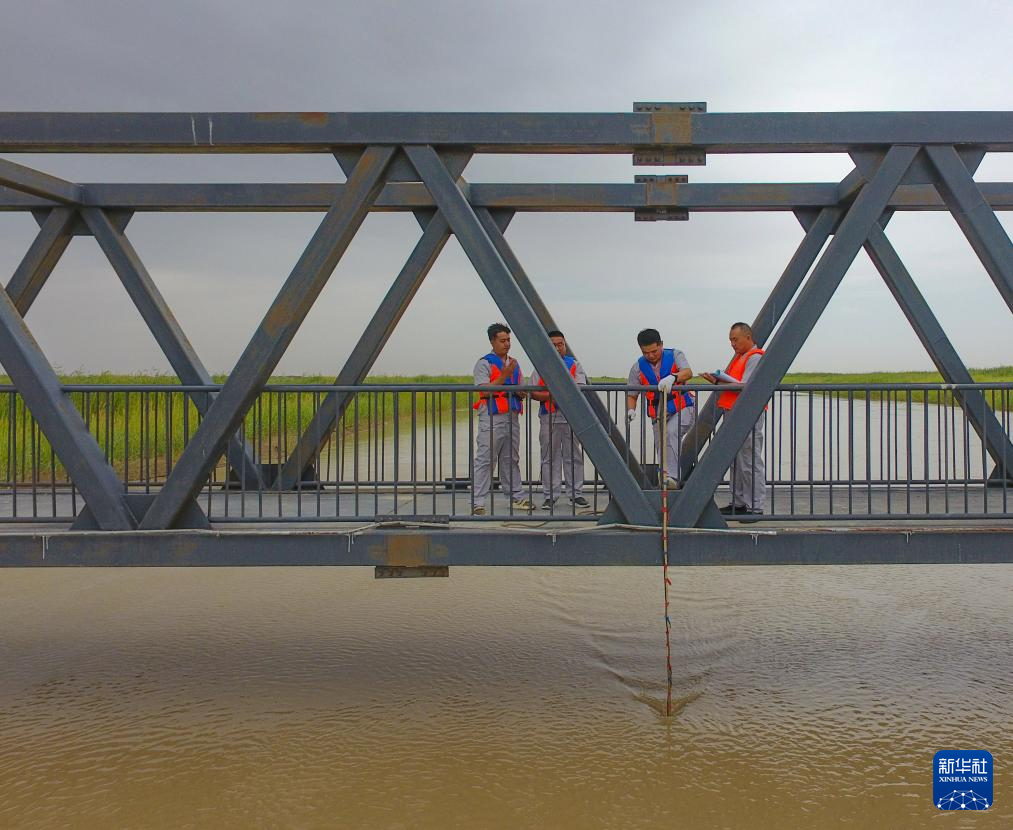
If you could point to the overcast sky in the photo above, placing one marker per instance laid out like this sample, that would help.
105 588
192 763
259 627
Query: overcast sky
603 276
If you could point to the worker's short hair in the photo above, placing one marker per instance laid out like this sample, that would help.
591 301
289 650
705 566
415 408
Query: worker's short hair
557 333
495 329
745 328
648 337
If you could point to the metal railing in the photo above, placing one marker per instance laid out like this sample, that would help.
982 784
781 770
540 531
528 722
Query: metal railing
832 452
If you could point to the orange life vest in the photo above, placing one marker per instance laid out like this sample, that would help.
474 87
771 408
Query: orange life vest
737 368
550 405
649 377
502 402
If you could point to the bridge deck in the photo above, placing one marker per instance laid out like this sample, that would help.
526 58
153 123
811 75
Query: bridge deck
893 533
785 504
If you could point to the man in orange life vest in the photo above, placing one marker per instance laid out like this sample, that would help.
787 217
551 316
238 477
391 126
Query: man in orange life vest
749 476
663 368
560 452
499 428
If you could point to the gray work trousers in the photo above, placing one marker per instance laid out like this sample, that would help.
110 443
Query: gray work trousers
499 445
678 425
561 457
748 473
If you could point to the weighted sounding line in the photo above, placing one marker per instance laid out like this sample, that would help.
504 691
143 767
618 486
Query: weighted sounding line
663 403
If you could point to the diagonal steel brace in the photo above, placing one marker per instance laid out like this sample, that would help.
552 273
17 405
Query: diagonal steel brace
851 234
271 339
530 293
625 490
938 345
167 332
60 421
367 349
975 217
38 263
765 322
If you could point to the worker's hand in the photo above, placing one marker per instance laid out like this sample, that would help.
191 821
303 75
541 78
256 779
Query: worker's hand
707 376
666 384
508 366
631 415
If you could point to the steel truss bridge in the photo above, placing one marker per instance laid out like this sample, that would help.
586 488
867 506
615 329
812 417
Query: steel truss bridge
193 490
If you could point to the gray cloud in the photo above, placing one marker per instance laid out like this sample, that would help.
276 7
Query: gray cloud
603 276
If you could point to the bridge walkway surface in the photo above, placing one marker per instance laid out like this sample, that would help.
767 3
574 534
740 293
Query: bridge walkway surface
261 529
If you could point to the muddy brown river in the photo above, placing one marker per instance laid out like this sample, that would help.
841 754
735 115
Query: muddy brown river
805 697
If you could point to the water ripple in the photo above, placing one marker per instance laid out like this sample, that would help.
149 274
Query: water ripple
804 697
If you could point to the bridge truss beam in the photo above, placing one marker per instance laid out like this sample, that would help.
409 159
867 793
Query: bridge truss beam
523 132
441 548
414 162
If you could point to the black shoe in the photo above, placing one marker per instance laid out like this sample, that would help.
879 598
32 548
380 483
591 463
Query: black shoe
733 510
743 514
547 504
581 502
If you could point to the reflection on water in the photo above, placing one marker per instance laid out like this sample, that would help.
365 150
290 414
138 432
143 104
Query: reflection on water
806 697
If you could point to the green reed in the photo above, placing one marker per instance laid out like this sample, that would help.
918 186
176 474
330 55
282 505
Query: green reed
142 432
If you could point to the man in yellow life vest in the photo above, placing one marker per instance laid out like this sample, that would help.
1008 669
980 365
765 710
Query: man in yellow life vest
499 428
749 475
560 451
663 368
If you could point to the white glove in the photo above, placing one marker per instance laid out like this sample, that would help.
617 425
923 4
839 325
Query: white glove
631 415
666 384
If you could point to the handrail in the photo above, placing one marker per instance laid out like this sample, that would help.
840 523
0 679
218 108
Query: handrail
465 387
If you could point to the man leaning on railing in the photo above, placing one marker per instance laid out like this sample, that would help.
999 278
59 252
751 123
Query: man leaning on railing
663 368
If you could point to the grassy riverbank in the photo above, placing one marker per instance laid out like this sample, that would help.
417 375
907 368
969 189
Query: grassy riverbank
141 432
999 374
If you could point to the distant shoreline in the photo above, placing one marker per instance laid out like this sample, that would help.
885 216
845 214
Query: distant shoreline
999 374
124 421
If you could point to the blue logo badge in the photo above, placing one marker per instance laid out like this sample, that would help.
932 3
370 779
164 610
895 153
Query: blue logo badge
962 779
